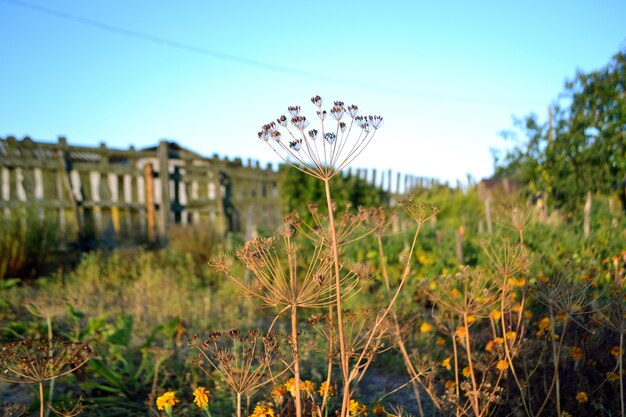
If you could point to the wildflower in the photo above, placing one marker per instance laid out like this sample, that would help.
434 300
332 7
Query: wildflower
441 341
471 319
510 335
612 377
455 293
308 386
467 372
449 384
263 411
502 365
325 386
425 327
461 331
201 397
290 385
378 409
356 408
166 402
576 353
495 315
489 346
528 314
582 397
615 351
545 324
561 316
446 363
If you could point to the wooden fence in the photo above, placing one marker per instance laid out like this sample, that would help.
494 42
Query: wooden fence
102 196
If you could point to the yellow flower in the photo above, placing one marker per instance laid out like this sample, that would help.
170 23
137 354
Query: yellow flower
461 331
263 411
528 314
455 293
471 319
308 386
450 384
612 377
495 315
502 365
561 315
378 409
323 386
446 363
510 335
201 397
356 408
545 324
441 341
498 340
576 353
278 391
489 346
466 372
615 351
290 385
582 397
167 401
425 327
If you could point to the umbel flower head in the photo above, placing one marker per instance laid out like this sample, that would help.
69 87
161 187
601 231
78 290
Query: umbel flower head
324 151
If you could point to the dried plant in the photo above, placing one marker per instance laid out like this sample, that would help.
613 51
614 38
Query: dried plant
35 361
12 409
69 409
244 362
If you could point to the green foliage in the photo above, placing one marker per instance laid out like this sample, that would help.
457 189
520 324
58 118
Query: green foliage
583 149
25 241
297 189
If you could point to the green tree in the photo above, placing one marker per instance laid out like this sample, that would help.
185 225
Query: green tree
297 189
583 148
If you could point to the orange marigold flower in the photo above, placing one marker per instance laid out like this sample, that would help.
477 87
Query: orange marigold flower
582 397
545 324
461 331
357 408
471 319
455 293
510 335
489 346
426 327
612 377
307 386
201 397
576 353
502 365
378 409
263 411
323 386
615 351
467 372
441 341
495 314
446 363
167 401
450 384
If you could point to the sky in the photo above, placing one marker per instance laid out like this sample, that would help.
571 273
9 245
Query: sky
446 76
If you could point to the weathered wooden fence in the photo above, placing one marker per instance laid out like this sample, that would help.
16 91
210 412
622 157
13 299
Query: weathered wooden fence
99 195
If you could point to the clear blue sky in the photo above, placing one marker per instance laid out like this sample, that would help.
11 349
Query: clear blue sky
447 76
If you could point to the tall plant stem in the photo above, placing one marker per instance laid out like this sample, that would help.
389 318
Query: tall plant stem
41 403
621 371
51 388
296 358
238 404
342 342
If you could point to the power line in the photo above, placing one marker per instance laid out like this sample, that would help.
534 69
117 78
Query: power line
248 61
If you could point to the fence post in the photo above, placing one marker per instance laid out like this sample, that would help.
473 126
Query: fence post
149 198
164 176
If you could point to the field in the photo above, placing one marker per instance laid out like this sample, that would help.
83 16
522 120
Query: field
527 319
